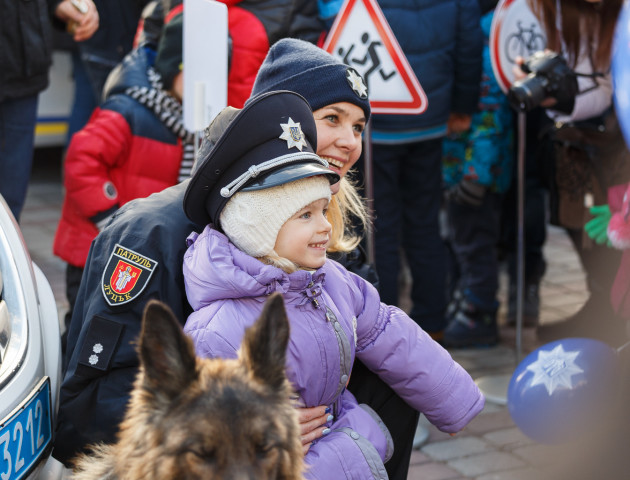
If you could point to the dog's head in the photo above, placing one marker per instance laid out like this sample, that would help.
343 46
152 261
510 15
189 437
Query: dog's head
212 418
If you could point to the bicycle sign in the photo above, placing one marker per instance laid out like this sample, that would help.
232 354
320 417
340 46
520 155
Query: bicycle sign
515 32
524 42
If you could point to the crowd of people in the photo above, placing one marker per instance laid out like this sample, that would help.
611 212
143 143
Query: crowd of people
273 201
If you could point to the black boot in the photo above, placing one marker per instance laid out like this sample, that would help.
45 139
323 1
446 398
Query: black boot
471 327
531 305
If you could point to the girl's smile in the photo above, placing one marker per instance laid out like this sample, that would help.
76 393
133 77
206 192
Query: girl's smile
304 238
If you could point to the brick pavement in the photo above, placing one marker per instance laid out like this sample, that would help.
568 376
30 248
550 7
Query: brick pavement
491 447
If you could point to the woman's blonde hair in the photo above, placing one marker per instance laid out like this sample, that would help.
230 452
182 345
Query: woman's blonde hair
346 212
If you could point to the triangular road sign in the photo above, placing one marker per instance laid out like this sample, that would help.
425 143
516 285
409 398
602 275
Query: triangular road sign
362 38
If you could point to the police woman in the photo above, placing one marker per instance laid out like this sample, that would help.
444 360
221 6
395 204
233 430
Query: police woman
153 231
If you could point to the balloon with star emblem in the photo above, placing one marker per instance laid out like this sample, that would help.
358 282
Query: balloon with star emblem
563 389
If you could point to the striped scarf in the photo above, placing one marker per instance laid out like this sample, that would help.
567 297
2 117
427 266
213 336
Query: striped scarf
169 111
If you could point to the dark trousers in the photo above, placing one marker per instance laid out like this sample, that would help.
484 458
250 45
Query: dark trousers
407 199
400 418
17 135
473 234
85 101
537 156
600 264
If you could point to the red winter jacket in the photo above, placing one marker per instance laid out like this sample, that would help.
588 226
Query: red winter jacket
124 152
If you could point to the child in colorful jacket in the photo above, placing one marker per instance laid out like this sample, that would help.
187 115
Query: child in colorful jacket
477 170
264 193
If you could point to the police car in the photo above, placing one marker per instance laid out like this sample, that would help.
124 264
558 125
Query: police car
30 360
55 103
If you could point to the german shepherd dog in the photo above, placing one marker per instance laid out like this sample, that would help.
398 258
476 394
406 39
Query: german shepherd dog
192 418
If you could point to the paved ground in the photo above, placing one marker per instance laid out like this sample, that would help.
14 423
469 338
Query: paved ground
491 447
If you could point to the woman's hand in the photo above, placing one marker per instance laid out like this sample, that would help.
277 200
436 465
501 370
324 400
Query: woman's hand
81 17
517 70
313 424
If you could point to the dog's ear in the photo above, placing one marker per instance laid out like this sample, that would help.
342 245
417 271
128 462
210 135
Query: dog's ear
265 344
167 354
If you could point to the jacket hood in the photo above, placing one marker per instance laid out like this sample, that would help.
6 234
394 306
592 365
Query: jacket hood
217 270
131 72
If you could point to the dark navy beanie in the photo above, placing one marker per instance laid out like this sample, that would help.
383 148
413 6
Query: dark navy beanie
304 68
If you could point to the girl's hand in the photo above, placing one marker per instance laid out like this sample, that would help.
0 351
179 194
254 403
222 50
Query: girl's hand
312 424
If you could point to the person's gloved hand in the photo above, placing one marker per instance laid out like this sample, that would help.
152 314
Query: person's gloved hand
597 228
467 192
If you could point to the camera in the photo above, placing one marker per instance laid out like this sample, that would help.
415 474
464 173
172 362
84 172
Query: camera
548 76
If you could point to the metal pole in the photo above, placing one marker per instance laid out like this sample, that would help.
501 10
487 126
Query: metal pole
368 178
520 245
494 387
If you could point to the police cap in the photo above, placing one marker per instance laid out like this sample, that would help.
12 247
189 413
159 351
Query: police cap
271 141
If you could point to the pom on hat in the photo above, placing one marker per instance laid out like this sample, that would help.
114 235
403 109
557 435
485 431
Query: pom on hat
304 68
168 61
252 219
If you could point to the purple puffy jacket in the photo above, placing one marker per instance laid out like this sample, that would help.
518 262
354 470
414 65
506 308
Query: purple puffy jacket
335 316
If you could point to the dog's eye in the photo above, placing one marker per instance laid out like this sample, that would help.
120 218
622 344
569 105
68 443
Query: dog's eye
262 449
207 455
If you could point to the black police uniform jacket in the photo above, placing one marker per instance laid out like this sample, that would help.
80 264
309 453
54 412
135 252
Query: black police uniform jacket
148 235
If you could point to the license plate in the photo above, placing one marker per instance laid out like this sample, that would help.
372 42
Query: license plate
25 434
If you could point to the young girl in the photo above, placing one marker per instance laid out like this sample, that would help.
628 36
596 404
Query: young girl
267 191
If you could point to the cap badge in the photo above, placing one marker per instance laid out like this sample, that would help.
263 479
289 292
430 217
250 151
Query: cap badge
356 82
292 133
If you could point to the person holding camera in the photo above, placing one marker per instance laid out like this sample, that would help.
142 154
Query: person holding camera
572 81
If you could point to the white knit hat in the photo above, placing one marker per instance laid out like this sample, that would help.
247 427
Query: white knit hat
252 219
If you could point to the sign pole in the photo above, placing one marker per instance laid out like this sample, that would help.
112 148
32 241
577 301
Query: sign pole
495 387
368 178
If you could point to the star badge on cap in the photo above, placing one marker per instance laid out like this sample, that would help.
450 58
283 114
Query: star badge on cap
292 133
356 82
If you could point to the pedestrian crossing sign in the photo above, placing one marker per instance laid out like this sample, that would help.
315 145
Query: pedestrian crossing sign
361 38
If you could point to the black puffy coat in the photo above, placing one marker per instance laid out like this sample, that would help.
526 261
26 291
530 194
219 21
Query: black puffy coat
26 47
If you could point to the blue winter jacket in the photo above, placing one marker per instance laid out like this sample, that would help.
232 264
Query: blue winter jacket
335 316
443 41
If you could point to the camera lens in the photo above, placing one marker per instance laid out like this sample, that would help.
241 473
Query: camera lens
526 94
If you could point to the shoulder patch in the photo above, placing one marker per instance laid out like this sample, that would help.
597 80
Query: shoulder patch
126 275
